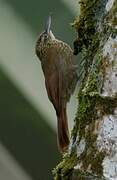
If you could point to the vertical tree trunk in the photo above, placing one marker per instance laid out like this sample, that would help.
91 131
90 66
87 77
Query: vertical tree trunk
93 149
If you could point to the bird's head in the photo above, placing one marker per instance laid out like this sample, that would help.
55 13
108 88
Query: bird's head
47 34
45 38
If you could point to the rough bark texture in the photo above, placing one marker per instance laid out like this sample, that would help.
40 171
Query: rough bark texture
93 149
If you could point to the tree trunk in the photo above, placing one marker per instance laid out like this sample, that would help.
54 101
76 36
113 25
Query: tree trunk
92 152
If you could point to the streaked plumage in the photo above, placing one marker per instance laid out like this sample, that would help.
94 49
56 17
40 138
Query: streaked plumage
60 78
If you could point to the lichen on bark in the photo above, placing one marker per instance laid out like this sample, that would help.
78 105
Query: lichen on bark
97 96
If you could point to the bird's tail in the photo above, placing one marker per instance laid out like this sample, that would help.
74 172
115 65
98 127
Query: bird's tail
63 131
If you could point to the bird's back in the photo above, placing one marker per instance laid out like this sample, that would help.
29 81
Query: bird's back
58 57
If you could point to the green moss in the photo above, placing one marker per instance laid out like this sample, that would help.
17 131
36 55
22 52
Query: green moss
97 163
91 42
90 156
114 21
112 15
64 169
108 104
89 102
86 23
111 20
87 97
81 175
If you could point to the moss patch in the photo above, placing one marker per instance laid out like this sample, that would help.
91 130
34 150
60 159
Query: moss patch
64 169
93 30
87 24
81 175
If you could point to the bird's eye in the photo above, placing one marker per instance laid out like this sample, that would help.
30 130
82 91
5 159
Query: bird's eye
46 36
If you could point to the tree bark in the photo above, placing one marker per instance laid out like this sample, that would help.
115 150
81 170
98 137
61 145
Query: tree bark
92 152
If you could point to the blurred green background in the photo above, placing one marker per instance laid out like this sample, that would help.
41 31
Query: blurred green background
28 148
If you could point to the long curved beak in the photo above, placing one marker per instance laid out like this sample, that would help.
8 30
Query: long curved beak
48 25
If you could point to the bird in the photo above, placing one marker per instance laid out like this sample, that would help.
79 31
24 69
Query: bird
61 77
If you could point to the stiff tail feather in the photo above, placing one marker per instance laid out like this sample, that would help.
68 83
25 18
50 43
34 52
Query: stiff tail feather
63 132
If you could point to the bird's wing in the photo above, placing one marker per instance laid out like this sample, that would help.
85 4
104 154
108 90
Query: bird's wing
52 87
55 89
60 76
